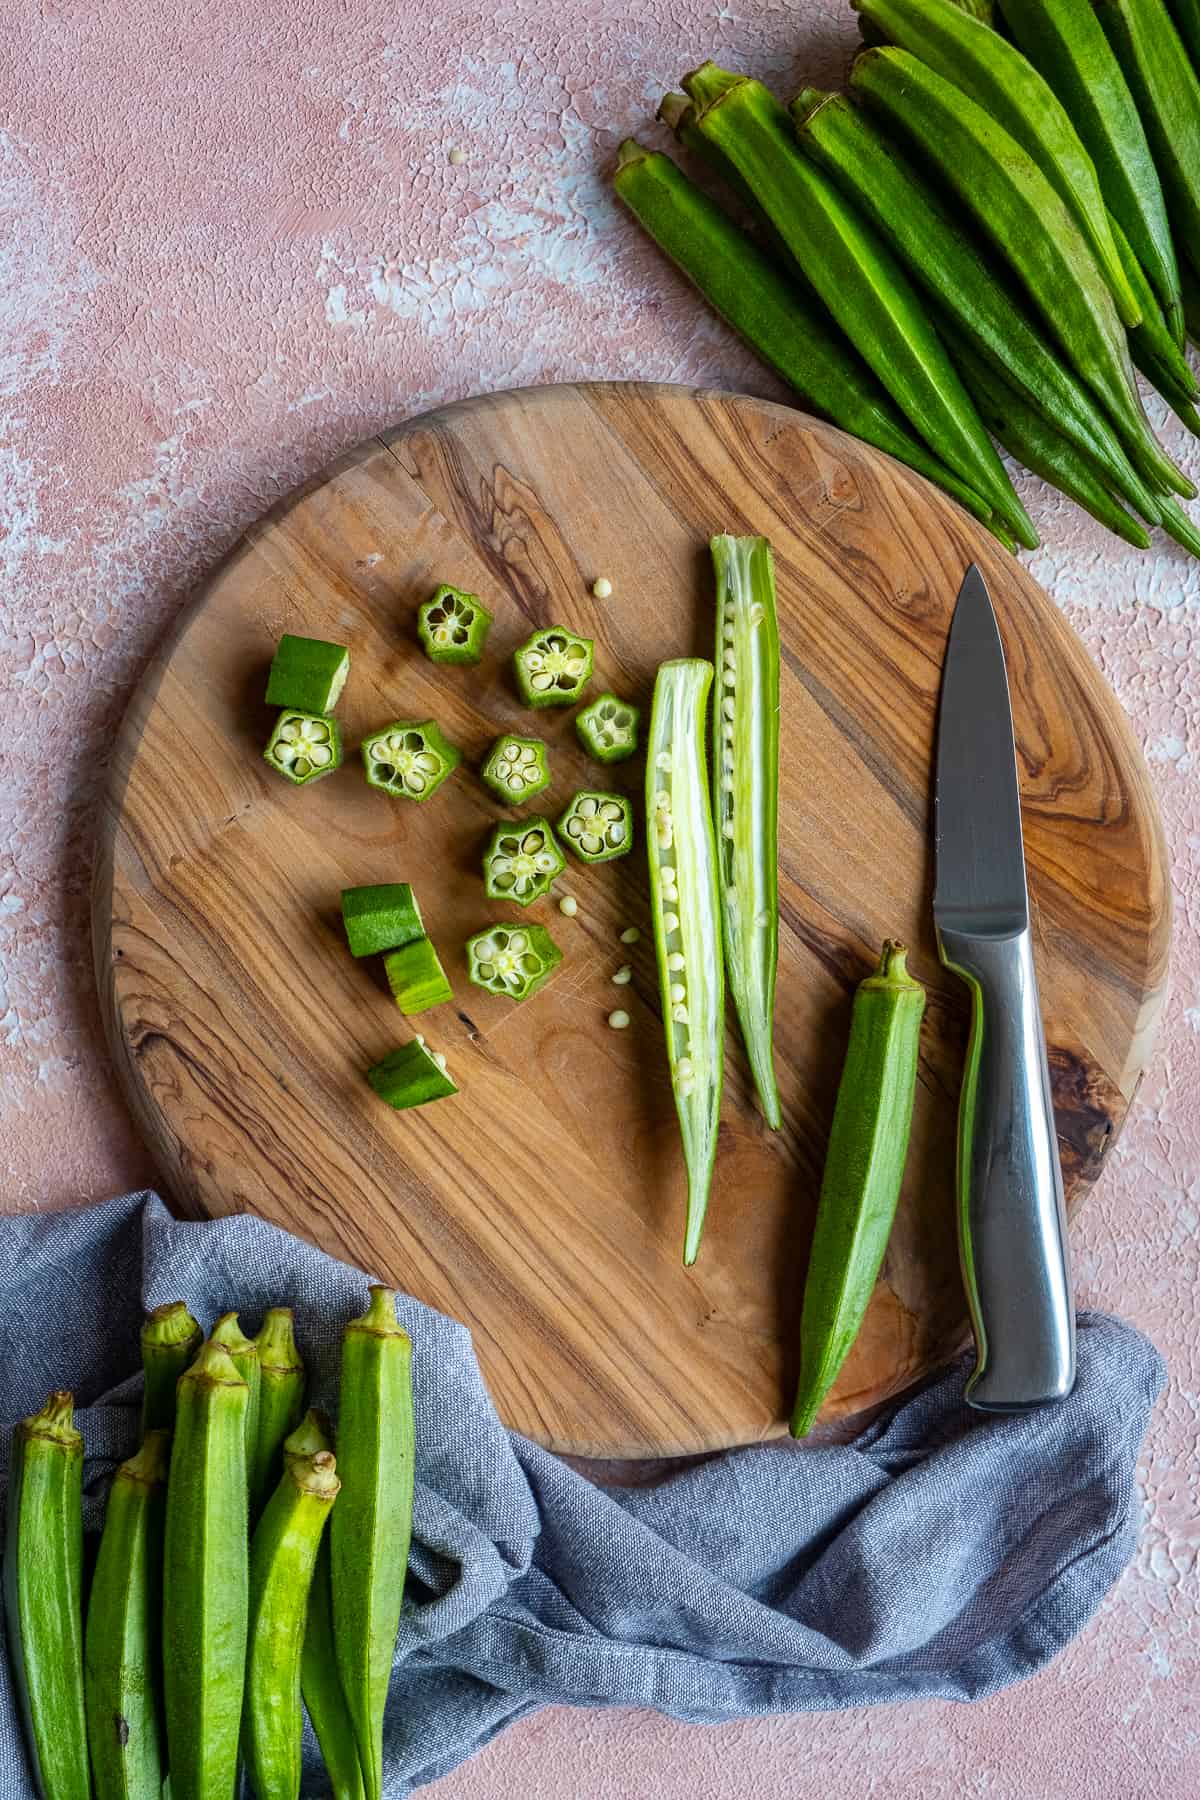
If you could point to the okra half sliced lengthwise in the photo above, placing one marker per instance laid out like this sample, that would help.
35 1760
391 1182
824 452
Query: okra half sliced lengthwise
685 903
745 753
801 343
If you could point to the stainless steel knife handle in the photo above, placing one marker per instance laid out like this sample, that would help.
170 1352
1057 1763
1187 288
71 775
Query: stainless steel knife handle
1012 1228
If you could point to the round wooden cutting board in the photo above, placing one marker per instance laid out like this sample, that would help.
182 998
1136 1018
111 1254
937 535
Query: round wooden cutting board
544 1205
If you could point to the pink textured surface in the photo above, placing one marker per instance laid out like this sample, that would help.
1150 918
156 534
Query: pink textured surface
232 243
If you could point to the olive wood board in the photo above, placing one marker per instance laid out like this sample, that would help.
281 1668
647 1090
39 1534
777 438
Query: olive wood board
543 1206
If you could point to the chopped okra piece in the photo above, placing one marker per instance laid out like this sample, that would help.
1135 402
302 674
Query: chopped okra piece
304 746
409 758
307 674
522 861
516 768
416 977
453 626
597 827
608 728
411 1076
385 917
515 960
553 667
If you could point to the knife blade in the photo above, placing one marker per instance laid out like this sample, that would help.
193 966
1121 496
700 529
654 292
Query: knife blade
1011 1218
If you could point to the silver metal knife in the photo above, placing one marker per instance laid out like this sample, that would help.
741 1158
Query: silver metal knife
1012 1230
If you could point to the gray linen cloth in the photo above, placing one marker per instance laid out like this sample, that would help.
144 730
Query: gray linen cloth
943 1554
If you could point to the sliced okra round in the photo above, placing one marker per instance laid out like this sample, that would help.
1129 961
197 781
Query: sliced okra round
553 667
516 768
304 746
409 758
608 728
453 626
513 960
597 827
416 977
411 1076
522 861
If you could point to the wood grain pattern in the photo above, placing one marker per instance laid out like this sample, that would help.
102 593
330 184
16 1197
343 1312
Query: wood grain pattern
544 1206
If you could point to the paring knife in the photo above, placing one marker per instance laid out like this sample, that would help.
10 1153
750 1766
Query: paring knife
1012 1229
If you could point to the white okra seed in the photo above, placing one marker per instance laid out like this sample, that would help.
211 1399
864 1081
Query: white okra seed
676 961
618 1020
630 935
623 976
670 922
727 828
663 760
679 1014
727 706
687 1088
677 993
568 905
685 1066
602 587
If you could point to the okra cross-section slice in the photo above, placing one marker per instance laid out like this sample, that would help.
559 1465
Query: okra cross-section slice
304 746
307 674
416 977
687 925
608 728
522 861
411 1076
553 667
516 768
512 960
409 758
746 792
597 827
383 917
453 626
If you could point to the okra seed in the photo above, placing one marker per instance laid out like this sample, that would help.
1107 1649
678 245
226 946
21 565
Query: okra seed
727 828
687 1088
663 760
623 976
730 659
727 707
762 920
727 732
568 905
685 1067
618 1020
662 801
602 587
457 157
680 1014
670 922
630 935
675 961
677 993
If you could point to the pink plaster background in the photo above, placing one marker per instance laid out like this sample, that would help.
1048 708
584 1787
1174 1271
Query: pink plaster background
232 243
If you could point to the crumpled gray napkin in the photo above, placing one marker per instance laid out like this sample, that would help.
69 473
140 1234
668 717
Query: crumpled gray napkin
943 1554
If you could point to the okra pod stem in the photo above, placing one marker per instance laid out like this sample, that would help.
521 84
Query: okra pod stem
244 1351
280 1402
170 1339
745 750
123 1643
372 1522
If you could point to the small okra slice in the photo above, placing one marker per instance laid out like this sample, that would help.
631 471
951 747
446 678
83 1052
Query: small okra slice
307 674
516 768
513 960
453 626
409 758
383 917
411 1076
522 861
608 728
416 977
553 667
304 746
597 827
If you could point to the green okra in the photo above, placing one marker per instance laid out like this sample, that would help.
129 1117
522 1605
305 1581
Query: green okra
968 53
383 917
1066 42
170 1339
1023 217
43 1559
244 1351
514 961
372 1522
856 275
409 759
745 750
280 1401
685 903
864 1167
205 1582
597 826
608 728
283 1557
304 747
793 335
1152 346
411 1076
553 667
522 861
453 626
1186 14
416 977
516 768
307 675
123 1640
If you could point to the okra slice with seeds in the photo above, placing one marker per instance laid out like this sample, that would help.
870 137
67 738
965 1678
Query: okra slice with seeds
513 962
597 827
453 626
307 674
685 904
383 917
746 792
516 768
304 746
411 1076
409 758
416 977
522 861
608 728
553 667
